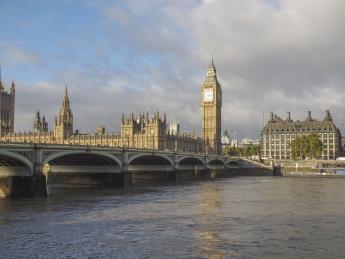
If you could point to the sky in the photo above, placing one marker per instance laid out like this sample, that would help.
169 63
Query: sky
135 56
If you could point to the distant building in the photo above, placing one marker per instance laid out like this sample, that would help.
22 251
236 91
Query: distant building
174 128
234 142
249 141
226 140
277 135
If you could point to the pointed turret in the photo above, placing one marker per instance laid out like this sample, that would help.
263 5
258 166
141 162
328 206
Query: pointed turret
37 122
122 118
65 103
37 117
44 124
211 65
211 69
13 88
157 116
64 121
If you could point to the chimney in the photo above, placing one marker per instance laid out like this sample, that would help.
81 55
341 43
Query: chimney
309 115
328 115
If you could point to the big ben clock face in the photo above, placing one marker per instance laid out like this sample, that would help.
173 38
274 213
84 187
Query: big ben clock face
208 95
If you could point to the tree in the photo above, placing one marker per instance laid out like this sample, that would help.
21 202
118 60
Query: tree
299 147
315 146
231 151
306 146
251 150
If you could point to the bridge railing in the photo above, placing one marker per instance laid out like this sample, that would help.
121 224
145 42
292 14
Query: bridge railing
4 144
16 144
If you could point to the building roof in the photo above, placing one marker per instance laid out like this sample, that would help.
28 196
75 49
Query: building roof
277 124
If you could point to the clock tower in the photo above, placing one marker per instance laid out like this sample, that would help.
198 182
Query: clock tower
211 105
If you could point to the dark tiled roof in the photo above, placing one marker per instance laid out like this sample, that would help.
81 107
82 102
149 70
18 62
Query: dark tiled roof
276 124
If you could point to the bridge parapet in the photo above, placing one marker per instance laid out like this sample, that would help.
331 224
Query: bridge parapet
37 156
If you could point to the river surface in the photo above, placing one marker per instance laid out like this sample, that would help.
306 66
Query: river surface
246 217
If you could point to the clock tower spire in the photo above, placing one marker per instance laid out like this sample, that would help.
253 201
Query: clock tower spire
211 105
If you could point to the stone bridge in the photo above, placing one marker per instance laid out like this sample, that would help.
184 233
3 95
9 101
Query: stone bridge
25 169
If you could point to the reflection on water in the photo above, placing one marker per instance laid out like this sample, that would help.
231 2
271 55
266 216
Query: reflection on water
209 203
239 217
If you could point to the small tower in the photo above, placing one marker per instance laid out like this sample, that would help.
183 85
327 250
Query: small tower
44 125
63 127
13 88
40 125
7 105
37 122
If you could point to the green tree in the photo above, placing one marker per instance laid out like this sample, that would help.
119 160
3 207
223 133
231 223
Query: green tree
299 147
315 146
251 150
231 151
306 146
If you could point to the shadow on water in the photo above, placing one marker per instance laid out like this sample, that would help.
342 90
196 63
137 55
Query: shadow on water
59 194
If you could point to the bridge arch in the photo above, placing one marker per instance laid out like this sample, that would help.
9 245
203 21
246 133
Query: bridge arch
150 160
191 161
216 162
233 163
75 158
11 159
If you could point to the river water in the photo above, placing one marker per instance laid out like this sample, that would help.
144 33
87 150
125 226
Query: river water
248 217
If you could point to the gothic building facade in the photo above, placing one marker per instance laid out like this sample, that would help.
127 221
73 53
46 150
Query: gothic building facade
277 135
143 132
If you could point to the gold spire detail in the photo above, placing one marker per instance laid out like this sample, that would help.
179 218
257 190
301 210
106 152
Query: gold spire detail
211 70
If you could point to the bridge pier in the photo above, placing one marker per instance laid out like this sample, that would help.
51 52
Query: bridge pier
188 175
106 180
145 178
23 186
15 186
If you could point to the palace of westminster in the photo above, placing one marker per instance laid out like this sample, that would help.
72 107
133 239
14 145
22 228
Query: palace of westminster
144 132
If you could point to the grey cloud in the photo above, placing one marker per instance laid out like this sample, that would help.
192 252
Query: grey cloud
280 57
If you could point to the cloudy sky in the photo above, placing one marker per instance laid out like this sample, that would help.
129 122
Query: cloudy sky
139 55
